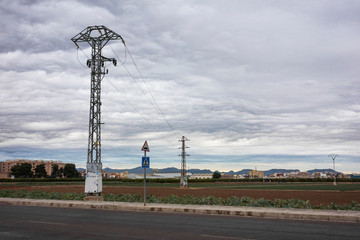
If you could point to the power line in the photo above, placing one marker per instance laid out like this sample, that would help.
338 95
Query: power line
125 54
126 99
152 101
134 108
134 79
78 47
77 55
158 107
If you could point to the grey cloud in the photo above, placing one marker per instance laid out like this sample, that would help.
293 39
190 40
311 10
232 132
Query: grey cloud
45 26
241 78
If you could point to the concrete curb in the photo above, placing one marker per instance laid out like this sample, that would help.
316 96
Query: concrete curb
258 212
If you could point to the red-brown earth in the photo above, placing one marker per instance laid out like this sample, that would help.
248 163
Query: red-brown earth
315 197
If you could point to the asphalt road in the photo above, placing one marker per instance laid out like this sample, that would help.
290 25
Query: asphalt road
21 222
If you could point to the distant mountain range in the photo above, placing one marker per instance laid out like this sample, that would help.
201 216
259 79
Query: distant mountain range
241 172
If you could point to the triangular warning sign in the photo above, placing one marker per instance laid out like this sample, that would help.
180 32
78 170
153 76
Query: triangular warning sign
145 147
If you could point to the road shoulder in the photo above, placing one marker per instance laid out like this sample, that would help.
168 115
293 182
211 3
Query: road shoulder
257 212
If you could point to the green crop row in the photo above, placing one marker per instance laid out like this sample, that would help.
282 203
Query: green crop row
16 180
41 195
174 199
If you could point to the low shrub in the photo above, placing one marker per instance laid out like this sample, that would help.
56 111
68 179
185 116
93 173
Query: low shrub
34 180
123 197
41 195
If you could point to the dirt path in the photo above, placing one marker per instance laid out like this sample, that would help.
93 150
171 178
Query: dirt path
315 197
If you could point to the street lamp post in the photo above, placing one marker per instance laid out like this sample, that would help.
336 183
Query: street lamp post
333 156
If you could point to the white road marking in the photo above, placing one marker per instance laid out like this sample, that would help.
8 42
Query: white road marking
225 237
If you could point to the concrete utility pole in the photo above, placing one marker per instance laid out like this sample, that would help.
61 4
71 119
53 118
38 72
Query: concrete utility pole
97 37
333 156
183 179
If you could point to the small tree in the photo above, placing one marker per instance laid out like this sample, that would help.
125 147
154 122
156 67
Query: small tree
23 170
216 175
56 173
70 171
61 170
40 171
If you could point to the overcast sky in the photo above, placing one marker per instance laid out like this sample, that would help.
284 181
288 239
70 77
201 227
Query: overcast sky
266 84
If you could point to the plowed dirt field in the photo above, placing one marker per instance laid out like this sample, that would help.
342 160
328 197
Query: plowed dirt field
315 197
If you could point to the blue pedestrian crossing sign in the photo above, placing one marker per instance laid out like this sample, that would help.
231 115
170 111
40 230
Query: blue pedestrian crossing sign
145 162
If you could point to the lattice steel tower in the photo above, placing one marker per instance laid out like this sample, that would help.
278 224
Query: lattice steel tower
97 37
183 179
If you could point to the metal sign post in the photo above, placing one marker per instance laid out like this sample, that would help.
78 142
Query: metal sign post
144 181
145 163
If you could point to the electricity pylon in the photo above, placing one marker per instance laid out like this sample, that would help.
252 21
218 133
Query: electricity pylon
97 37
183 179
333 157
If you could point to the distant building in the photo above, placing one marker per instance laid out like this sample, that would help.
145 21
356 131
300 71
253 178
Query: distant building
254 174
278 175
115 175
201 176
135 176
319 175
240 176
342 175
155 175
354 176
227 176
291 174
5 167
303 175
